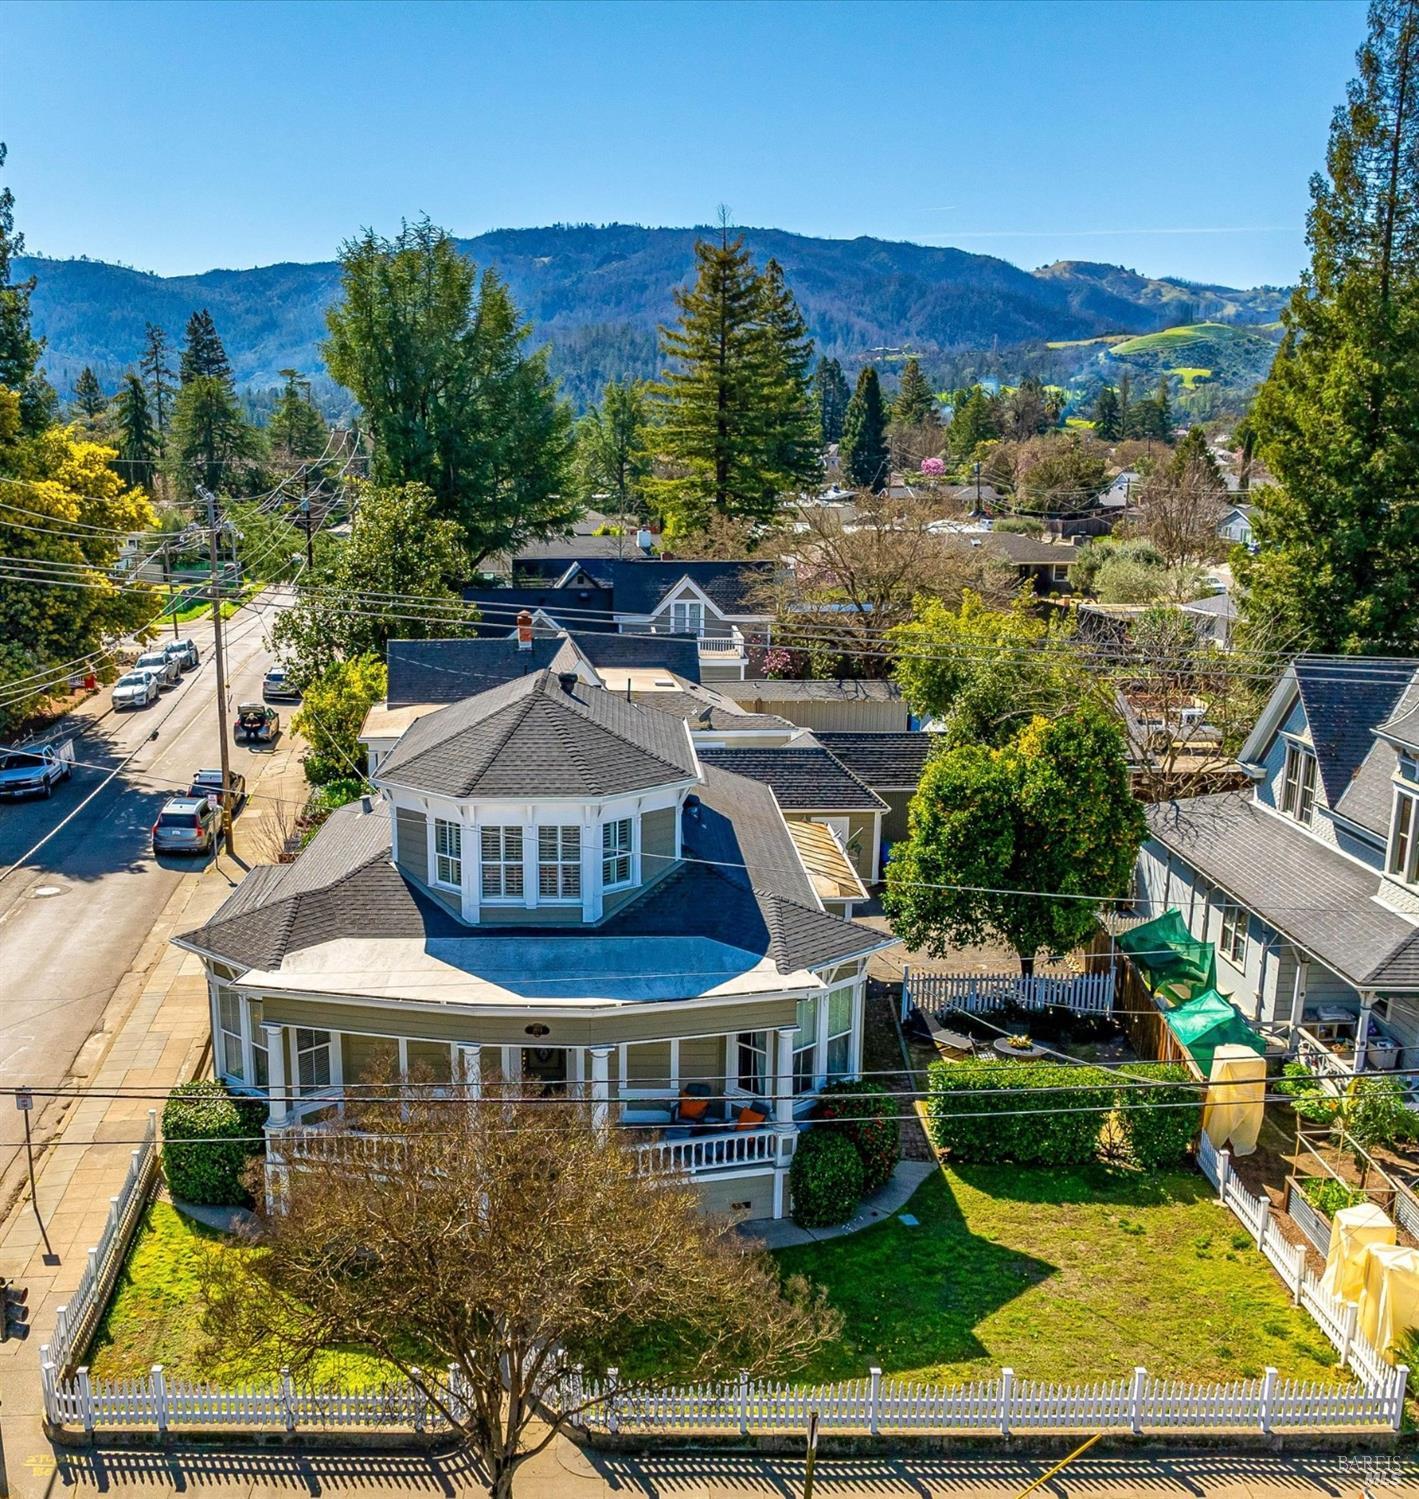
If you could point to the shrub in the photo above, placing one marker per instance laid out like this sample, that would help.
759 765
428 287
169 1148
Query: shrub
826 1178
1158 1122
975 1110
1328 1196
1308 1097
1019 525
210 1169
869 1113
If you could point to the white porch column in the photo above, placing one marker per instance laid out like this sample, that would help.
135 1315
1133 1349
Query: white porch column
783 1079
1362 1033
470 1065
601 1088
1298 990
278 1106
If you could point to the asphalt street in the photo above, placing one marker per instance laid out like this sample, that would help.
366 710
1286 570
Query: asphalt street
74 915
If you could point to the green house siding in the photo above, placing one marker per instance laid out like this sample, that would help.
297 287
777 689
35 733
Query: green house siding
412 844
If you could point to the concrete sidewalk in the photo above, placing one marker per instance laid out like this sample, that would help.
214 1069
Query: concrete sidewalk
155 1034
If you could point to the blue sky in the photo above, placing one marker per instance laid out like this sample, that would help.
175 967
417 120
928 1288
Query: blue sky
1175 136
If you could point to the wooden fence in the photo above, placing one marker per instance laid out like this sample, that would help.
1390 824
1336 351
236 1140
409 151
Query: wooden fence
975 994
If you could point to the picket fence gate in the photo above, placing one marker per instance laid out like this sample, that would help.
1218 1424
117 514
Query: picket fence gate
976 994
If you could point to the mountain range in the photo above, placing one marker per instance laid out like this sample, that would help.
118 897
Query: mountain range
598 292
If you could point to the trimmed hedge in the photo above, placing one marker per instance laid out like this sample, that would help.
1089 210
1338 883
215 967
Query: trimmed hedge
825 1178
209 1171
869 1115
1158 1123
976 1111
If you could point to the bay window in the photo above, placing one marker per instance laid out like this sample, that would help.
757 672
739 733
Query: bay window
559 863
312 1060
260 1057
616 853
501 849
805 1045
230 1061
753 1065
448 854
839 1052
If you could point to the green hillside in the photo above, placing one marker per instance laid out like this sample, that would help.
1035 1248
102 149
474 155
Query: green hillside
1187 336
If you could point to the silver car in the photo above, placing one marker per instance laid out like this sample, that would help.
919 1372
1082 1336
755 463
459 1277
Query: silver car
186 825
184 652
135 689
162 666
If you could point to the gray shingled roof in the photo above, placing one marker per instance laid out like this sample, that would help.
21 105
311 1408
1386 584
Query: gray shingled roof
817 689
1344 698
533 736
1023 551
804 776
640 585
886 761
1313 895
447 671
741 884
1403 724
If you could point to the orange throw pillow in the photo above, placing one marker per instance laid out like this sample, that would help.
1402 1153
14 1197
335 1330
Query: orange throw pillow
748 1118
693 1108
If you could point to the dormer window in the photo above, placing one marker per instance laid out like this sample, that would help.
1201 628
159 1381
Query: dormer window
687 617
448 854
1298 785
559 863
616 854
501 848
1403 861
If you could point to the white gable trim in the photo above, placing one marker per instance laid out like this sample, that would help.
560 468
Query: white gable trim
1278 705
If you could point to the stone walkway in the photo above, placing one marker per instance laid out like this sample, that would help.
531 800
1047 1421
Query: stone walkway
781 1233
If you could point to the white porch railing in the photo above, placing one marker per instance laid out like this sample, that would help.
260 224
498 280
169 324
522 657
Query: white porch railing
935 993
718 1150
1320 1058
722 645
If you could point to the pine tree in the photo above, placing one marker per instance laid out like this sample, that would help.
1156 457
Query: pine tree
1337 420
210 444
792 453
19 348
1107 426
1160 418
916 401
88 394
863 450
138 444
712 400
157 375
1127 421
204 355
973 421
833 394
296 430
612 464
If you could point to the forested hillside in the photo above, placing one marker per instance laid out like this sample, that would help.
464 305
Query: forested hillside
598 294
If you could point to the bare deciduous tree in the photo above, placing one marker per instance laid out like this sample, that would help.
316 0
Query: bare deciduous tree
1181 505
509 1239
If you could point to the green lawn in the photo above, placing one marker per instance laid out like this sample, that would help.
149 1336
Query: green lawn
1069 1275
1178 338
155 1316
1190 374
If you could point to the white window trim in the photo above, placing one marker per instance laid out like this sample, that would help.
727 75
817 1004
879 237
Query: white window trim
435 823
1234 947
1406 871
1298 755
561 863
628 853
503 864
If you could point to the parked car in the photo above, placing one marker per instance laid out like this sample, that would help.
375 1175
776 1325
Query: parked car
162 666
276 686
186 825
135 689
184 652
208 783
257 721
37 769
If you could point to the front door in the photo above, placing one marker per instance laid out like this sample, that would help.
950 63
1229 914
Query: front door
547 1066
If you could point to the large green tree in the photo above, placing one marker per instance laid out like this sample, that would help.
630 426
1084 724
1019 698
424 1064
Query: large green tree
296 430
211 444
436 356
89 399
1337 420
157 375
138 444
973 421
1107 425
863 449
916 401
397 575
204 356
1023 843
19 348
612 464
735 428
832 392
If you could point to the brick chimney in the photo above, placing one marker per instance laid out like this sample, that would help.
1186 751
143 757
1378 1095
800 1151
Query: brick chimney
524 630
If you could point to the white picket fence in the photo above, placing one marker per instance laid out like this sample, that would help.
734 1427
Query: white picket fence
75 1320
975 994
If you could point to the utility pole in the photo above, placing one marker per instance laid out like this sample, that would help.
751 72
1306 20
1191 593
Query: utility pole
219 656
307 515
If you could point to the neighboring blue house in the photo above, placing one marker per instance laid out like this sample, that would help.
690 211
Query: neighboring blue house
1308 884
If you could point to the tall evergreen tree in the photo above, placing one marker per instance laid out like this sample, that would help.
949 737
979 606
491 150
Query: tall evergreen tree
732 403
833 393
1160 417
19 348
1337 420
863 450
973 421
612 463
792 454
204 356
210 444
296 430
1107 425
916 401
436 356
138 443
89 398
157 376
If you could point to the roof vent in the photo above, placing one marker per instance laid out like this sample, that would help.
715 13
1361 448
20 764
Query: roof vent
366 805
568 679
524 630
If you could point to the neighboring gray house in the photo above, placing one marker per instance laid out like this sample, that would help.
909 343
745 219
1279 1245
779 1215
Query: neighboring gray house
1309 883
1215 617
1235 525
834 703
888 764
550 886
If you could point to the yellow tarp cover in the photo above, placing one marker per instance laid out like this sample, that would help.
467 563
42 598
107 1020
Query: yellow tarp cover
1236 1097
1389 1302
1352 1232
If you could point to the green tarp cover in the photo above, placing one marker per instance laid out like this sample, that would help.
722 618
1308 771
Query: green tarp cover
1208 1021
1168 953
